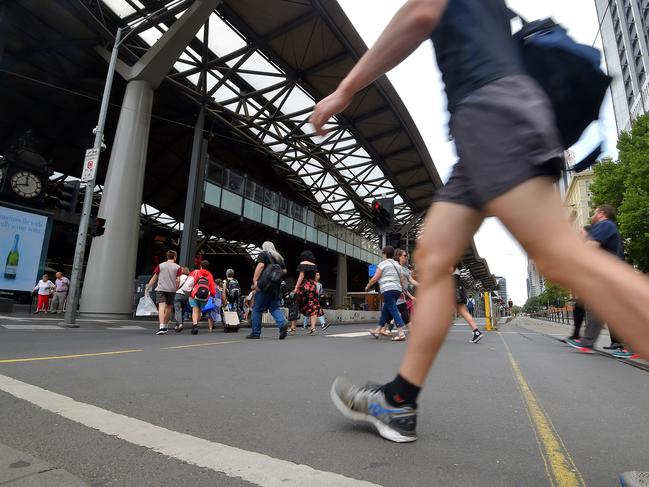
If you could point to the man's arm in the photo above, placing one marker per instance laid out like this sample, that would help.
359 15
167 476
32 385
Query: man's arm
258 270
411 25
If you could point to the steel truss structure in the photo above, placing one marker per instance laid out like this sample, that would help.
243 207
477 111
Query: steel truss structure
231 70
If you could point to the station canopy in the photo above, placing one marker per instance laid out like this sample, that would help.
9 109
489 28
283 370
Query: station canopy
259 66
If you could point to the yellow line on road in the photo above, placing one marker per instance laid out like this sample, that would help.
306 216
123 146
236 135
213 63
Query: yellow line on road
559 466
60 357
200 345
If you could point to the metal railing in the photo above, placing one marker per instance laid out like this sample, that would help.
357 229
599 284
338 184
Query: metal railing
563 316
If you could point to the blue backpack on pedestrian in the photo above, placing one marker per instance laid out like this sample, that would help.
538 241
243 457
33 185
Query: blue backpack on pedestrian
569 73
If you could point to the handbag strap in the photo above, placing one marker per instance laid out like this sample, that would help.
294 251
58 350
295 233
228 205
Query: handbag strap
399 274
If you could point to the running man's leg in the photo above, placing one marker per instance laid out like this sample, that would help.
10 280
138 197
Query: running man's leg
608 286
392 409
436 253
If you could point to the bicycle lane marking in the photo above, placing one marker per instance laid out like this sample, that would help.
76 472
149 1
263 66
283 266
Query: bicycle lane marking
559 466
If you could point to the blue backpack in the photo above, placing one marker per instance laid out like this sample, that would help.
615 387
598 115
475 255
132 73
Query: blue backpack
569 73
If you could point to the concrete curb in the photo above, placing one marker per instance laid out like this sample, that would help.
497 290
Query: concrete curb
18 469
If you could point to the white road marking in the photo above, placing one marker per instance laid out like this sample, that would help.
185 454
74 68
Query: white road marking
11 318
253 467
351 335
32 327
129 328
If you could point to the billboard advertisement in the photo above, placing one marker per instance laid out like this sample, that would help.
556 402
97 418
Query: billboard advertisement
22 237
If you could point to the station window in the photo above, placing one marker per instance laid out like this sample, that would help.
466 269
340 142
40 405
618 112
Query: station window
252 211
212 195
299 229
234 183
271 199
322 238
269 217
231 202
286 224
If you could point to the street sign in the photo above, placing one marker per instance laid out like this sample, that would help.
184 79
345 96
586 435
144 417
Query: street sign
90 165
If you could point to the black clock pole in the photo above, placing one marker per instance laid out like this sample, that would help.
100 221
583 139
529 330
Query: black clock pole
79 251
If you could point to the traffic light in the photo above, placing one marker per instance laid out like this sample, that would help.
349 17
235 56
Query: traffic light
98 227
383 213
69 196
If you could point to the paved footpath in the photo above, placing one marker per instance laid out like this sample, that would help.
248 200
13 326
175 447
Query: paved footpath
115 406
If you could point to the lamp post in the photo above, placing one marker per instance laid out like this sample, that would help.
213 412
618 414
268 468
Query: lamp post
80 249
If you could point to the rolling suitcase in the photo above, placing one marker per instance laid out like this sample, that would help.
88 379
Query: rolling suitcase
231 321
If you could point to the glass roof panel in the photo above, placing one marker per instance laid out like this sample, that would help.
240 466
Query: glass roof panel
120 7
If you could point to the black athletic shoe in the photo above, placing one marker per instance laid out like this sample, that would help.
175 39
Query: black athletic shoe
614 346
477 336
326 325
194 329
253 337
178 328
367 403
161 331
283 332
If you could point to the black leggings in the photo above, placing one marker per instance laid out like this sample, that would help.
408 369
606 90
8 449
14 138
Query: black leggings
579 313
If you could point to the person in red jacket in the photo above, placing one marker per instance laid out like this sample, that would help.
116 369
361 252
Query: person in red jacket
196 301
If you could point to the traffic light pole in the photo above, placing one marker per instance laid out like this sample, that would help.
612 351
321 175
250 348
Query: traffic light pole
80 249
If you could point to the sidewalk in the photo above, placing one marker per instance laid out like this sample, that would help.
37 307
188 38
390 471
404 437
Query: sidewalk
560 331
17 469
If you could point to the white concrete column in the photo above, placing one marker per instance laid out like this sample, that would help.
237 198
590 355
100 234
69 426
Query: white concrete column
109 280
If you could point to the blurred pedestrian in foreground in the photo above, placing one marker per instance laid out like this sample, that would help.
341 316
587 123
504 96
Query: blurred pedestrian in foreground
510 154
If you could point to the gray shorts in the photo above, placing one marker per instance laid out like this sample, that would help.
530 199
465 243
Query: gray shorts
505 134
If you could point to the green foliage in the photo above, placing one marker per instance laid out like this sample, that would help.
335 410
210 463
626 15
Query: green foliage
625 186
532 304
553 295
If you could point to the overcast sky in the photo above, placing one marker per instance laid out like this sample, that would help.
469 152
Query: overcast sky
418 82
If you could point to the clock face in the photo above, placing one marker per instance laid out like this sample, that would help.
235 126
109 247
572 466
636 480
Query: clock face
26 184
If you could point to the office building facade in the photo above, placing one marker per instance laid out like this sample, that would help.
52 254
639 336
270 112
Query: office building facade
625 38
535 281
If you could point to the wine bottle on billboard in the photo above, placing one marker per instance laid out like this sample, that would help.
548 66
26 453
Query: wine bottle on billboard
11 266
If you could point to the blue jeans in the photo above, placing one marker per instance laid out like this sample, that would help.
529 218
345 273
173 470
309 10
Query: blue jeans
263 302
390 309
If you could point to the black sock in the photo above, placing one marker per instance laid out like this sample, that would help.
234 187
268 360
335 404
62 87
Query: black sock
400 392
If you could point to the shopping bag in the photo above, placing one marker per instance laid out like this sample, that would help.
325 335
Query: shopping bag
209 306
146 307
215 314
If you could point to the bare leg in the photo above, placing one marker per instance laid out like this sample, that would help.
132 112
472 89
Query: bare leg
313 319
463 311
436 253
617 293
168 312
162 314
196 315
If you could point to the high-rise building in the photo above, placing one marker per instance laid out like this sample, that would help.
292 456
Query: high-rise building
502 292
625 37
535 281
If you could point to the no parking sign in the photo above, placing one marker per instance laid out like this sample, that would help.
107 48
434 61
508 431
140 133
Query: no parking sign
90 165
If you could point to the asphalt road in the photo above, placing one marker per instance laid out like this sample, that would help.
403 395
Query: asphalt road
477 426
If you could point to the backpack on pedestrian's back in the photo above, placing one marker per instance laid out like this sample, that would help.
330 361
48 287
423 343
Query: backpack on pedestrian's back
233 291
271 277
569 73
201 289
